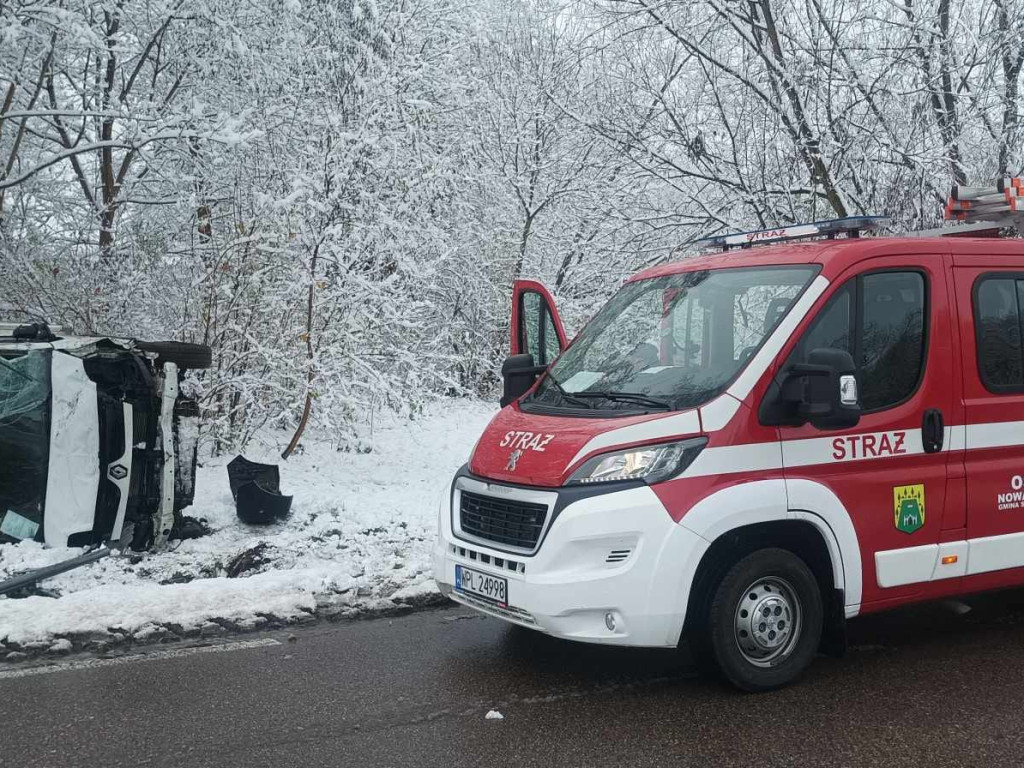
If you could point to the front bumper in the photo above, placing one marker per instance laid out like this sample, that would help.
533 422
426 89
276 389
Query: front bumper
617 553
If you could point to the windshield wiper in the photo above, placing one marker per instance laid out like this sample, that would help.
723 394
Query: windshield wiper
565 395
630 397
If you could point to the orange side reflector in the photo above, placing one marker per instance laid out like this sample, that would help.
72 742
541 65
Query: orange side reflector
949 559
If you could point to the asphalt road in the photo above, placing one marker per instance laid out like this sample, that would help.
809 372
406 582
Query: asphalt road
920 687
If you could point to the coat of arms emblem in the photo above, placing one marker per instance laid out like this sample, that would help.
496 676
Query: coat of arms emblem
908 507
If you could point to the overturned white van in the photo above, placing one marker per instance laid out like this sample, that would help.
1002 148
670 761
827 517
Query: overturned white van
97 442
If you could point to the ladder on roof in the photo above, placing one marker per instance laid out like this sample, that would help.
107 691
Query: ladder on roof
992 228
983 211
1003 198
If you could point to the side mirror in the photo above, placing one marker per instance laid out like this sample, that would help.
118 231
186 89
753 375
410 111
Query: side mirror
822 391
518 374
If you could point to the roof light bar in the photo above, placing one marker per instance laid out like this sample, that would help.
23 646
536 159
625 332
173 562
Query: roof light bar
851 226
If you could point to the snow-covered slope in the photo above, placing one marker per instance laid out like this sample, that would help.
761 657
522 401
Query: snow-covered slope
358 538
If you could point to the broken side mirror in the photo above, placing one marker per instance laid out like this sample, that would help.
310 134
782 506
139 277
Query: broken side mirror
518 373
823 391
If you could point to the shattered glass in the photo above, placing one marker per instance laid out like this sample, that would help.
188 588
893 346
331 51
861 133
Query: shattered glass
24 443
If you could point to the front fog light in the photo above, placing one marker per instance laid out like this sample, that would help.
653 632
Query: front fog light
651 463
609 621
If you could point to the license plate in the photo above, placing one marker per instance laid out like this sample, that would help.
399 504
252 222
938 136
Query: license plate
492 588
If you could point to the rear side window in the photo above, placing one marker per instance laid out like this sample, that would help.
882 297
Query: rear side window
997 323
879 319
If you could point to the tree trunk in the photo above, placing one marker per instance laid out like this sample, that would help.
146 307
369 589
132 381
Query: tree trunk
524 238
808 144
1012 59
307 408
108 182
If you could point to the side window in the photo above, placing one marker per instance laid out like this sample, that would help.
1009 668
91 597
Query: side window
890 339
532 309
540 338
997 325
879 319
831 330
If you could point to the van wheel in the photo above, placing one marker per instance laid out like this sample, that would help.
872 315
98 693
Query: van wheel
765 620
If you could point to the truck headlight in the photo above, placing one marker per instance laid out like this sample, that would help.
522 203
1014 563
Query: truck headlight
650 463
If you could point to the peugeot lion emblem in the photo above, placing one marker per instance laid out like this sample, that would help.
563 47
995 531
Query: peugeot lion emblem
513 459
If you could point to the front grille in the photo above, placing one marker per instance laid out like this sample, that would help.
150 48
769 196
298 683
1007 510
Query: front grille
499 562
503 521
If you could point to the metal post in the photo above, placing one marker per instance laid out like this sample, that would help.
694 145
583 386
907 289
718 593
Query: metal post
28 579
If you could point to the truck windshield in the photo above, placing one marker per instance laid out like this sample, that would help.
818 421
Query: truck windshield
669 343
24 443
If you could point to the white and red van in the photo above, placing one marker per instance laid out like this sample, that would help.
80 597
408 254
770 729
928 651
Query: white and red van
747 448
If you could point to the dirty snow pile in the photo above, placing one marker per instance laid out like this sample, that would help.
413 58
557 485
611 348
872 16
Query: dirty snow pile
358 540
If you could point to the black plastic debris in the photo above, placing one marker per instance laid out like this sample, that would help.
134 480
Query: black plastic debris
256 489
186 527
242 471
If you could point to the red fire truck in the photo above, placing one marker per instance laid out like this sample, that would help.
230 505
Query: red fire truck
744 449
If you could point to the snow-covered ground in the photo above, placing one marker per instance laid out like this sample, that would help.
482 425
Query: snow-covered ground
358 539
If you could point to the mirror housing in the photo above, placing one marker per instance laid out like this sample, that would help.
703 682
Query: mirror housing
518 373
822 391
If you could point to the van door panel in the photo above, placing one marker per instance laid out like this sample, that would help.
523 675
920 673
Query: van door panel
993 432
895 492
536 327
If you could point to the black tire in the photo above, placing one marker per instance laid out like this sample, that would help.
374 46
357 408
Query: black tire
182 354
776 585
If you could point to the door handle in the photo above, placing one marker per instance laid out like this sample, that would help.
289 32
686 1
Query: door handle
933 431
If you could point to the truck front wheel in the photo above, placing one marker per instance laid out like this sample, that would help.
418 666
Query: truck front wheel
765 620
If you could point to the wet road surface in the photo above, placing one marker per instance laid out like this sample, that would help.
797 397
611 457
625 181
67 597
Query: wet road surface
922 686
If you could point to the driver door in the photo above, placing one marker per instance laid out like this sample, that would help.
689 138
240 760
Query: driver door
889 471
537 329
